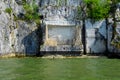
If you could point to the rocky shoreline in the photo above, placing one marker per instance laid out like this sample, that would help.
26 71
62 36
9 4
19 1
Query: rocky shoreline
13 55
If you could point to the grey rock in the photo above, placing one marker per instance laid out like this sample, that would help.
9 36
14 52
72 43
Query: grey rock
23 37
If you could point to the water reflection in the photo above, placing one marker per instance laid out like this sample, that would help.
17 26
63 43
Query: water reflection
59 69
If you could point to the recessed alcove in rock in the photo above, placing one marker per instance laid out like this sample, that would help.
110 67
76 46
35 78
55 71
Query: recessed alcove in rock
62 36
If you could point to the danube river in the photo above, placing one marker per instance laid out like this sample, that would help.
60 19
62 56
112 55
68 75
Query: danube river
59 69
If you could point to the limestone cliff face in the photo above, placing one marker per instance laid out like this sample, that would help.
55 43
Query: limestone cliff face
60 19
59 9
19 36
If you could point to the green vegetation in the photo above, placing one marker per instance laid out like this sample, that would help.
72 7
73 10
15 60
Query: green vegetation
66 2
113 12
60 2
116 42
8 10
115 1
16 18
31 12
97 9
79 13
24 1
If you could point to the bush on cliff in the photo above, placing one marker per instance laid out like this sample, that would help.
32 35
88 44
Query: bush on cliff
97 9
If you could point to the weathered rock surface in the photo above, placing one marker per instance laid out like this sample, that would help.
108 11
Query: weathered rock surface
23 37
17 36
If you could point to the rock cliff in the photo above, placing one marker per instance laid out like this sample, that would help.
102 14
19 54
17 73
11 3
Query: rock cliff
17 36
22 37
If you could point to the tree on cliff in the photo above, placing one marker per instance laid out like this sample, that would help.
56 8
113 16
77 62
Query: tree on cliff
97 9
112 12
94 10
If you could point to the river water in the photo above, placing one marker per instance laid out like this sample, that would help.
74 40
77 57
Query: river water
59 69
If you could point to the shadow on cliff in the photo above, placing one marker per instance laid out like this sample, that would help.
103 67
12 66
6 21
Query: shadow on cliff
32 42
